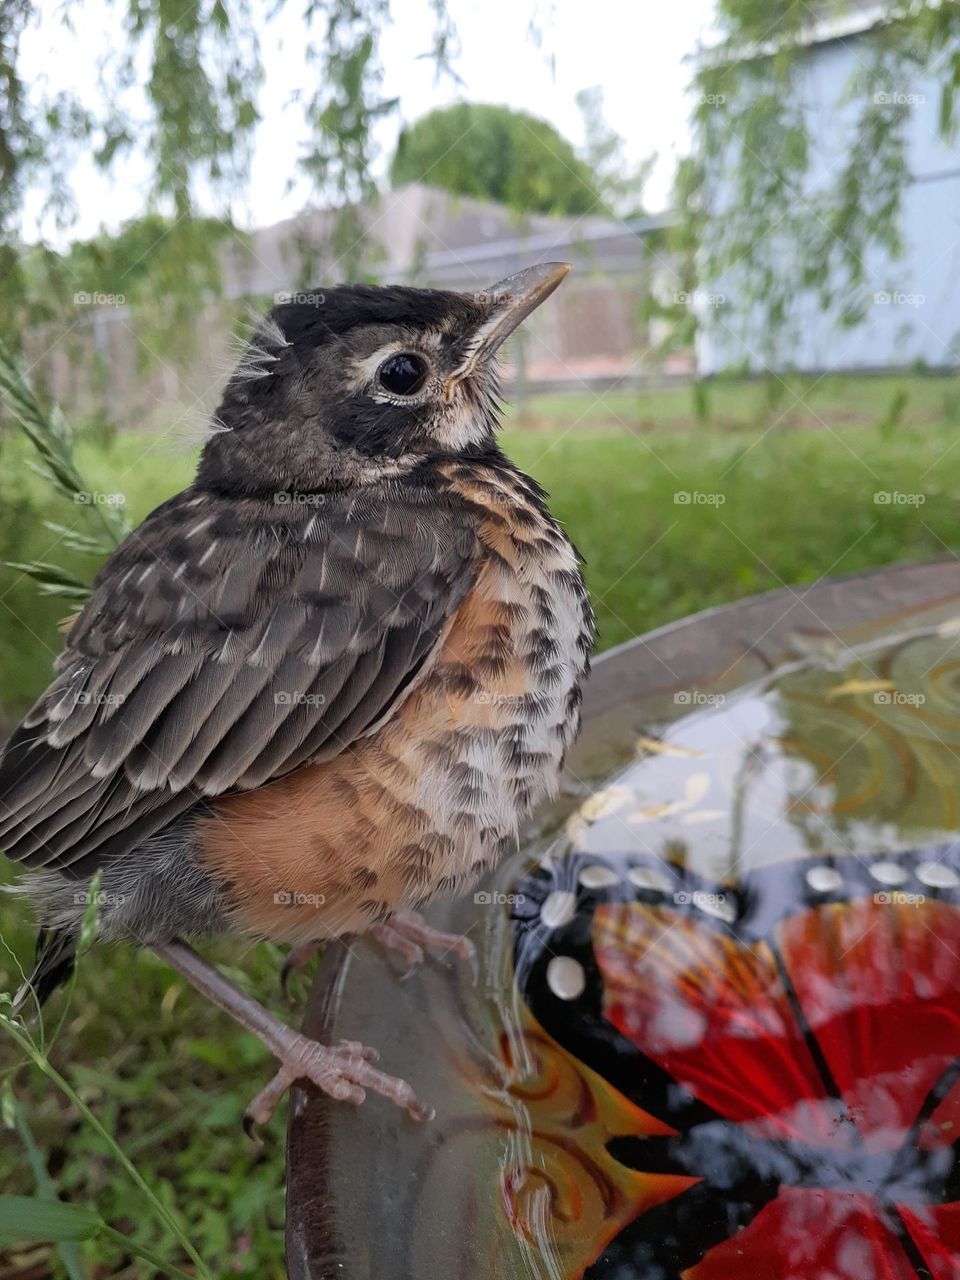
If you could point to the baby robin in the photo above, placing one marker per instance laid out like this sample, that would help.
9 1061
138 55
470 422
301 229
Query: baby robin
326 682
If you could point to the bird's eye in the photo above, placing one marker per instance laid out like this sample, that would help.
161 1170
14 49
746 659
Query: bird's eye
403 374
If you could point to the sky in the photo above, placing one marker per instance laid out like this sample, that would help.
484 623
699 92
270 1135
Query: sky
634 51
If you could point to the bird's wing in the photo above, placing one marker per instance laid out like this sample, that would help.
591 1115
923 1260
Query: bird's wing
227 642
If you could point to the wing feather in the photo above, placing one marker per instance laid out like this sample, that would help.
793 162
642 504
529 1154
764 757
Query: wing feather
227 642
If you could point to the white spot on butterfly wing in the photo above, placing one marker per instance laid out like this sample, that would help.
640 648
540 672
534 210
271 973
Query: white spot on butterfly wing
558 909
936 875
598 877
566 978
824 879
650 878
890 873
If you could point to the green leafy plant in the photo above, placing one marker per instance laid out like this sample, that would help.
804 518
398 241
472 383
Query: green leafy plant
52 439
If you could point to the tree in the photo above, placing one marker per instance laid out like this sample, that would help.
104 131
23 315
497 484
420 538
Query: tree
192 114
496 153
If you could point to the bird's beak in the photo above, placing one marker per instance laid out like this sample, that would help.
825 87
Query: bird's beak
509 302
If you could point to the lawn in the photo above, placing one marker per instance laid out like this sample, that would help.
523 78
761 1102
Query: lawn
734 404
671 518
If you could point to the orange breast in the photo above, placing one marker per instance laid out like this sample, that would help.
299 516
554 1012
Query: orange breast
417 807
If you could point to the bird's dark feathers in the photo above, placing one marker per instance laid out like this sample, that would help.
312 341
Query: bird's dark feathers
53 964
226 642
331 312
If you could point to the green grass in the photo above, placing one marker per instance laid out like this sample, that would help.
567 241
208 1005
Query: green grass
791 508
168 1075
731 404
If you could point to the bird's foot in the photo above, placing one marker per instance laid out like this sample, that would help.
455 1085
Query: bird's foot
343 1071
407 933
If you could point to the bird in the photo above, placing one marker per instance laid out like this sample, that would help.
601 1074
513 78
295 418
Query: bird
322 685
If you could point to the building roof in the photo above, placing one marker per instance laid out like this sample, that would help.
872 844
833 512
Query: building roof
418 233
859 17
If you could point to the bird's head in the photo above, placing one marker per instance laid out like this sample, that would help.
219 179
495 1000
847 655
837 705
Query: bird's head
346 385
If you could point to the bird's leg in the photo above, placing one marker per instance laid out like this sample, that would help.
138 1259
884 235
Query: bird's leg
344 1071
407 933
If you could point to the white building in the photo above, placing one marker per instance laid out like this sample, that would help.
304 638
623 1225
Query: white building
913 301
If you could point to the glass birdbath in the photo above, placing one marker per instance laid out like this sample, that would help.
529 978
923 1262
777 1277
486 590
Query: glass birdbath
717 1032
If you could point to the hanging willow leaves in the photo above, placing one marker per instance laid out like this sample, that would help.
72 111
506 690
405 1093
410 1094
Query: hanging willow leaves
342 114
757 209
203 75
18 149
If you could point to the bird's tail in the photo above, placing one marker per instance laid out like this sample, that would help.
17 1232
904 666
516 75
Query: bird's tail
52 966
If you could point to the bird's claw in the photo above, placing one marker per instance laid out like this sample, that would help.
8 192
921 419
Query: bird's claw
407 933
343 1071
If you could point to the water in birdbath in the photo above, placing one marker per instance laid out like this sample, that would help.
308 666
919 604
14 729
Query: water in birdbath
718 1027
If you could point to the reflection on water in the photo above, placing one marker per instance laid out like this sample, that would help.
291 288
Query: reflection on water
734 1032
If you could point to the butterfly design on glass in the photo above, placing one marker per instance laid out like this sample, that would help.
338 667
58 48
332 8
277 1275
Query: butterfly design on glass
794 1044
